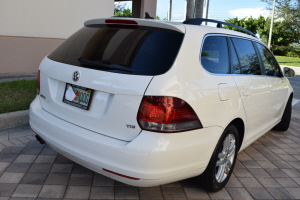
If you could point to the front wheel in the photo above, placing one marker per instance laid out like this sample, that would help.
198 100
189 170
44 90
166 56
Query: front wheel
222 162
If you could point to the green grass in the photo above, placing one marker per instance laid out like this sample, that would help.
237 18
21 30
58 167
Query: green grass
16 95
290 61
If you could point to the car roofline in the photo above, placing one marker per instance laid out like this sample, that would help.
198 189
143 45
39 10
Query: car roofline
176 26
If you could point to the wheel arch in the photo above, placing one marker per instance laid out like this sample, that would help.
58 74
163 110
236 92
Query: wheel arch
291 95
239 123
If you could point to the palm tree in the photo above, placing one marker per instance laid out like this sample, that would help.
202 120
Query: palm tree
199 8
190 6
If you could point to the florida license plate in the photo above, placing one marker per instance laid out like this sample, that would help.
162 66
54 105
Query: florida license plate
77 96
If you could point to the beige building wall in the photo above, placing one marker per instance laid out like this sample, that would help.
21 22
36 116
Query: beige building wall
23 54
49 18
31 29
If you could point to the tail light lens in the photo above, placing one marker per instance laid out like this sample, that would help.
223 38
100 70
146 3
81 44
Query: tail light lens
123 24
37 84
167 115
116 21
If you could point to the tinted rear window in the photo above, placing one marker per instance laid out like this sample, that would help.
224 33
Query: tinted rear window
142 51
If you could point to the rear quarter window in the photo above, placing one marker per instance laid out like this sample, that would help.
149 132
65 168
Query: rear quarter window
214 55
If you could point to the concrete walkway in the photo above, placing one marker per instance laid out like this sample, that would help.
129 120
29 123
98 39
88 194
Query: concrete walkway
268 169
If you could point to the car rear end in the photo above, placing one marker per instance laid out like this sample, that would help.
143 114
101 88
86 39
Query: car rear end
91 104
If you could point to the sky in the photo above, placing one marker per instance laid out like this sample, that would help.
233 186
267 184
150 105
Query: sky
218 9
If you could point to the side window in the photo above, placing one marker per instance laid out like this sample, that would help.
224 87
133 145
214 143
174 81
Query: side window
214 55
270 64
236 68
247 56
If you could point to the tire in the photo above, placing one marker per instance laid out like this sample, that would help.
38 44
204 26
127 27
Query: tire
220 166
284 124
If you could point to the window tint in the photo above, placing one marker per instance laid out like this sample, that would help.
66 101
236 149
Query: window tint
247 56
214 55
236 69
140 51
270 64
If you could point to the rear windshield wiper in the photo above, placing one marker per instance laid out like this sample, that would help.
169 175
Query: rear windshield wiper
103 65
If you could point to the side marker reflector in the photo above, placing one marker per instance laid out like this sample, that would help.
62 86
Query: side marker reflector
132 178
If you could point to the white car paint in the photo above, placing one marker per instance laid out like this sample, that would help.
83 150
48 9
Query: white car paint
99 138
114 98
152 157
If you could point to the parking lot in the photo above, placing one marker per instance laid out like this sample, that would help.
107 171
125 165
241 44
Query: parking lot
268 169
295 82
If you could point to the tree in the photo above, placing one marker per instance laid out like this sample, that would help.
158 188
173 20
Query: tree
121 11
199 8
289 11
190 6
158 17
261 26
194 9
247 23
119 7
280 35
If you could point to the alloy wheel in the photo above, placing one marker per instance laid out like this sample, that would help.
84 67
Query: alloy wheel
225 158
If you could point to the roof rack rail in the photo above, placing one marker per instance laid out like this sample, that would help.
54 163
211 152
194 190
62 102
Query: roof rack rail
198 21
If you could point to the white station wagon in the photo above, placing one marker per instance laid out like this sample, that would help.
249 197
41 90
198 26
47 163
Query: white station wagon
149 102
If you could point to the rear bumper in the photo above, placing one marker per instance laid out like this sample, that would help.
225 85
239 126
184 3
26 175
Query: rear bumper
153 158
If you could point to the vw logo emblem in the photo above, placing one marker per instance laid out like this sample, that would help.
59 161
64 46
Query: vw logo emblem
76 76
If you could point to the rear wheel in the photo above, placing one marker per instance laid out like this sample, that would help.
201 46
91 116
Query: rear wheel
284 124
221 164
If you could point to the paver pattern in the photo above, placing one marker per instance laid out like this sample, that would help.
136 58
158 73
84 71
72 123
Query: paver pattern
268 169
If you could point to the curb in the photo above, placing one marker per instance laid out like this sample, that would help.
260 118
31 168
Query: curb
14 119
17 76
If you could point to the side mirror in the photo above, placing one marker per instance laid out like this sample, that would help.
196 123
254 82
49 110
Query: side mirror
288 72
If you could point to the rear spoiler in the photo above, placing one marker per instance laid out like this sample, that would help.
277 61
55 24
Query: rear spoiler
175 26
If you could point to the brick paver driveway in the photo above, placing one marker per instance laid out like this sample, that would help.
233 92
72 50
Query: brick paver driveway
268 169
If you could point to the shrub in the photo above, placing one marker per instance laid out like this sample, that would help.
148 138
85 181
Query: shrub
294 53
282 50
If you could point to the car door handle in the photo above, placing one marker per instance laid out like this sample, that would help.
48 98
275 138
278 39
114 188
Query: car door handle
273 89
247 93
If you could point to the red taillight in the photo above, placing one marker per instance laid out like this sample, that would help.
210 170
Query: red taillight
117 21
37 84
167 115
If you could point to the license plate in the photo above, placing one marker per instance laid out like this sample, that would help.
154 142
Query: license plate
77 96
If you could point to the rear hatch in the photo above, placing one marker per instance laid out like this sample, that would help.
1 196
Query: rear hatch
97 78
